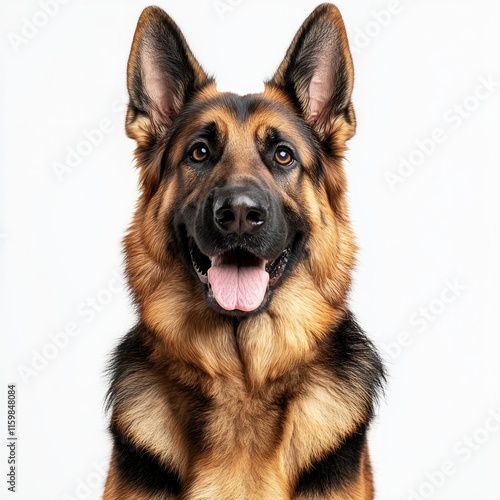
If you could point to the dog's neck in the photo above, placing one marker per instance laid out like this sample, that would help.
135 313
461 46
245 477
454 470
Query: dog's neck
261 347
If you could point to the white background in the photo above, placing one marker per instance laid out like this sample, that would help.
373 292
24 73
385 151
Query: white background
416 65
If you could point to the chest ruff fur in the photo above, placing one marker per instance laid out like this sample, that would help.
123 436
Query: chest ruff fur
300 436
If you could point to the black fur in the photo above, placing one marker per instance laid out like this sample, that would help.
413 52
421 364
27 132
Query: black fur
131 355
141 470
335 469
353 358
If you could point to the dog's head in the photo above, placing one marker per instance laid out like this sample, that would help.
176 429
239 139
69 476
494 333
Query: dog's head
241 194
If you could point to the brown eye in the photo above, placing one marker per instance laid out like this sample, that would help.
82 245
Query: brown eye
199 153
283 157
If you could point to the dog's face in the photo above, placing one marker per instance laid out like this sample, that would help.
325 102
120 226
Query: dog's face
243 192
238 224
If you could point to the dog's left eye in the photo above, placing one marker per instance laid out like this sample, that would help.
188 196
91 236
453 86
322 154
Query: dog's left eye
199 153
283 157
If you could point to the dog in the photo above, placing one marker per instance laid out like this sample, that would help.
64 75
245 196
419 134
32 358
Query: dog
246 376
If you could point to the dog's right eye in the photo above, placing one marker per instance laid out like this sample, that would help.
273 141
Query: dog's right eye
283 157
199 153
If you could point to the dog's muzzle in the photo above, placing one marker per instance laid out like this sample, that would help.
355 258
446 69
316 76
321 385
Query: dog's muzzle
239 248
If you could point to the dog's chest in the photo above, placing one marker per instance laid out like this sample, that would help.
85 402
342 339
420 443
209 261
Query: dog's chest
255 444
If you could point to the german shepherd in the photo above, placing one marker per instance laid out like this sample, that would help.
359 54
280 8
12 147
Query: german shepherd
246 376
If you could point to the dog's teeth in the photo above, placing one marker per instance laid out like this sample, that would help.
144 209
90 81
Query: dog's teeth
202 275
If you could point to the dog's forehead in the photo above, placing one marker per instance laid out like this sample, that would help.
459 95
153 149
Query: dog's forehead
241 118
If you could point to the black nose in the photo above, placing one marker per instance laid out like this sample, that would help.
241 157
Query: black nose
240 210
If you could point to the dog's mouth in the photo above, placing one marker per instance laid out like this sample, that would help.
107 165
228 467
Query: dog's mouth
237 279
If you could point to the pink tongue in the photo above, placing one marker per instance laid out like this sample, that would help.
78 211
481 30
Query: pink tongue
241 288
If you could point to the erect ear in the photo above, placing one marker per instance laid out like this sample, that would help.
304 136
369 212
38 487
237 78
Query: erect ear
317 72
162 73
